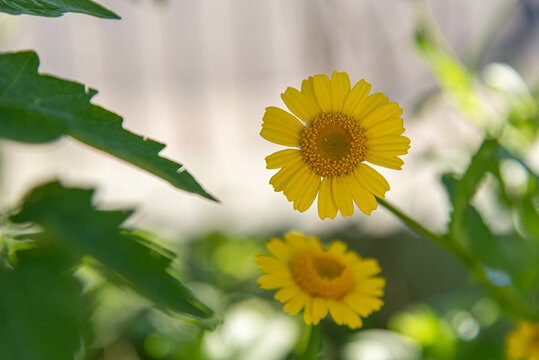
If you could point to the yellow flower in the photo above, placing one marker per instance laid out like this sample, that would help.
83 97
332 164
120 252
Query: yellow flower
523 342
319 281
339 130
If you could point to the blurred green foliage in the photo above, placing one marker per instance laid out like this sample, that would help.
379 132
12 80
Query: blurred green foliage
42 295
76 284
41 309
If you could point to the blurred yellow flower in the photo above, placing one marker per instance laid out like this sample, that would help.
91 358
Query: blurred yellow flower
319 281
340 128
523 342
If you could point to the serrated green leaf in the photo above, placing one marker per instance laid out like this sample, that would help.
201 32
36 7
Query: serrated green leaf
481 162
55 8
41 312
67 215
39 108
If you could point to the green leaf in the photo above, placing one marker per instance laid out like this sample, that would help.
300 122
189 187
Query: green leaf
67 215
450 183
55 8
491 250
525 205
481 162
41 311
529 218
39 108
498 252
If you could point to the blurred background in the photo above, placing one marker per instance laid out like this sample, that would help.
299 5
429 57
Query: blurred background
197 76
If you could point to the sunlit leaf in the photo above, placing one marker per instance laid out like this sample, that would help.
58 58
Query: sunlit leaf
454 78
67 215
38 108
54 8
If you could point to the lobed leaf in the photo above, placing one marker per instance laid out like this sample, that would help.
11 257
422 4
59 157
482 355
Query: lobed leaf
38 108
67 215
55 8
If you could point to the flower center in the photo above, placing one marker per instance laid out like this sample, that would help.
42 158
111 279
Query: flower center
333 144
321 274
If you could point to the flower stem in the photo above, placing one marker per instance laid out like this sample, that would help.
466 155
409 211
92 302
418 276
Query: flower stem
314 345
503 294
414 225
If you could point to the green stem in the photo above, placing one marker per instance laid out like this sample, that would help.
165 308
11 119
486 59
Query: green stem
414 225
503 294
315 343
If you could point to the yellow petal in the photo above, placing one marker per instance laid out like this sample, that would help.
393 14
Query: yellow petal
354 321
380 113
352 259
287 293
296 240
364 305
337 247
322 91
307 88
299 104
280 127
326 204
379 158
282 158
340 87
371 102
397 145
294 188
283 176
371 180
269 264
280 249
356 97
275 281
387 127
314 243
294 305
366 268
319 309
342 314
311 186
279 137
308 312
342 195
364 199
370 286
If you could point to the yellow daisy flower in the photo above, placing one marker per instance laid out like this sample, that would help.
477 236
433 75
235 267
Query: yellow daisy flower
523 342
318 280
335 130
